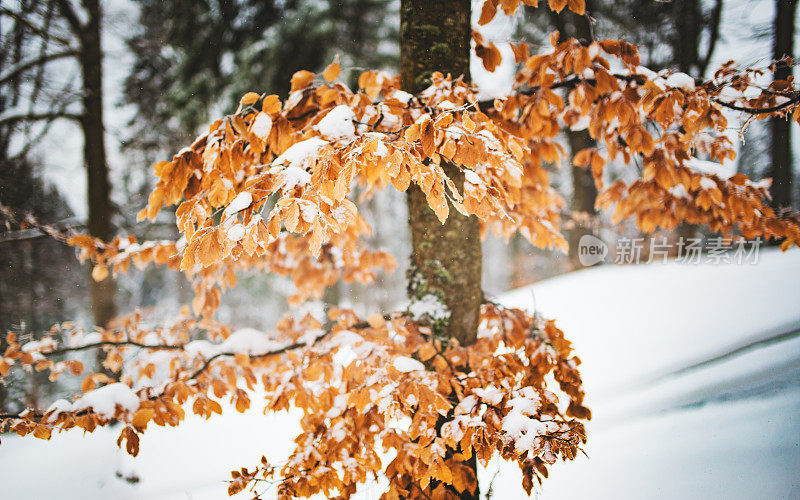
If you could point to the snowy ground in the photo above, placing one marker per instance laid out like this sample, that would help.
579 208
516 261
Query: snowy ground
693 375
692 372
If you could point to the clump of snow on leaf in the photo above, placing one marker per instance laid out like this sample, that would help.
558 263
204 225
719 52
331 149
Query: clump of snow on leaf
401 96
58 407
679 191
519 426
235 232
338 123
646 72
471 177
249 341
242 201
296 159
710 167
707 183
262 126
104 401
200 348
300 153
680 81
428 307
405 364
490 394
295 176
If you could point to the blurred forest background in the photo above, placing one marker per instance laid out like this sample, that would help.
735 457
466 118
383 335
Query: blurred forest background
93 93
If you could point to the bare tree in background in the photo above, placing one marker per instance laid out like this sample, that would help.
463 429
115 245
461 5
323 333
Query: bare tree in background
35 272
780 168
584 190
43 34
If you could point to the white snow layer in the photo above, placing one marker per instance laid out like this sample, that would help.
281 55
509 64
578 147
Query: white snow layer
680 81
723 171
235 232
262 126
405 364
105 400
428 307
239 203
295 176
401 96
249 341
471 177
338 123
300 153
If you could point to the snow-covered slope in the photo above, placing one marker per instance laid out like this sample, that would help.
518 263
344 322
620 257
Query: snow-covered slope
692 372
650 320
693 375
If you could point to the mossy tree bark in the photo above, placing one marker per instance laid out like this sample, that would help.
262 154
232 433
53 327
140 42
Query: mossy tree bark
446 258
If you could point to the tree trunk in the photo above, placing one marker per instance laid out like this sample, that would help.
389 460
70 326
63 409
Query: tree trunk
584 190
94 154
446 258
688 19
781 133
687 16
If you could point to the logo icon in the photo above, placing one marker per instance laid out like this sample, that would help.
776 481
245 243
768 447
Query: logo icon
591 250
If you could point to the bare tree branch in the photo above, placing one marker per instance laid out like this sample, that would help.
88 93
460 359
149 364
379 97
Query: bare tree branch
111 343
65 6
759 111
39 61
713 34
20 18
32 117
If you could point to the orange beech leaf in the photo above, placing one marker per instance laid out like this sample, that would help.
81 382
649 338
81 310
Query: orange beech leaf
91 381
42 432
302 79
577 6
490 56
521 52
488 12
141 418
208 250
248 98
99 272
271 104
331 72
